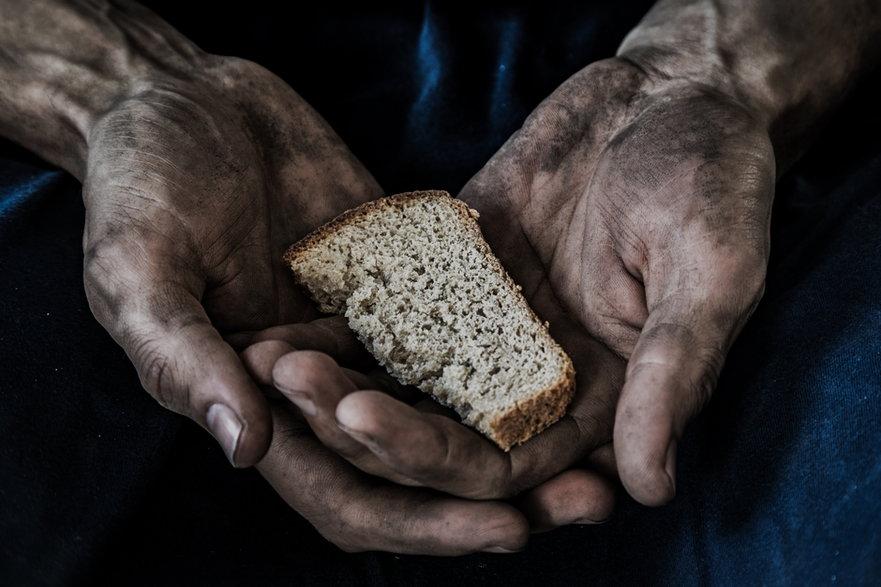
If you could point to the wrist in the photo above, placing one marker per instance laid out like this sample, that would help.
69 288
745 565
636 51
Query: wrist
789 64
56 86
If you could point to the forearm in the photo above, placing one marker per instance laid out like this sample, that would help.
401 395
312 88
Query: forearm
790 62
64 63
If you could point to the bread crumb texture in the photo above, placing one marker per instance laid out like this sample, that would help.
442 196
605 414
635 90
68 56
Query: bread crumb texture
422 290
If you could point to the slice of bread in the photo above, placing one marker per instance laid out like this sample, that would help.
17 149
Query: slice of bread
422 290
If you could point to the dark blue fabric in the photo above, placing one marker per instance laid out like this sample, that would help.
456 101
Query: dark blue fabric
779 478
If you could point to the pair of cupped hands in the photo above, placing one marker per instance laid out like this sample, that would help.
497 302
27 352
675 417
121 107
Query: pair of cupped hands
633 209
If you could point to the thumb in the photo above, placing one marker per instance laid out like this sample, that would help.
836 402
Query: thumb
181 359
670 376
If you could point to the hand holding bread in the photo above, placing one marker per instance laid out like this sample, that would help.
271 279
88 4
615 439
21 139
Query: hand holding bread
371 505
421 288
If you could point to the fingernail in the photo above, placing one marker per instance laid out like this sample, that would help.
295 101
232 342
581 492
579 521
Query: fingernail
586 521
226 428
499 550
301 400
363 438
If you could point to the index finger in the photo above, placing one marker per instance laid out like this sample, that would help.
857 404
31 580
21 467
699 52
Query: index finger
358 512
438 452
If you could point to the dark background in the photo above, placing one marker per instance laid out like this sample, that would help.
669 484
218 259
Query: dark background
779 477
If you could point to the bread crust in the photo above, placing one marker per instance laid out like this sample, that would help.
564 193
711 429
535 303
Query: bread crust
353 215
523 420
528 418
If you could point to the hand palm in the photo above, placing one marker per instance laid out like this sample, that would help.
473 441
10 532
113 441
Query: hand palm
193 189
645 212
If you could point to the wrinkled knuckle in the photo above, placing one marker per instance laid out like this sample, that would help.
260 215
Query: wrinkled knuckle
496 480
501 487
711 361
550 131
448 454
596 423
101 269
607 326
553 115
526 470
158 376
95 263
444 459
680 332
